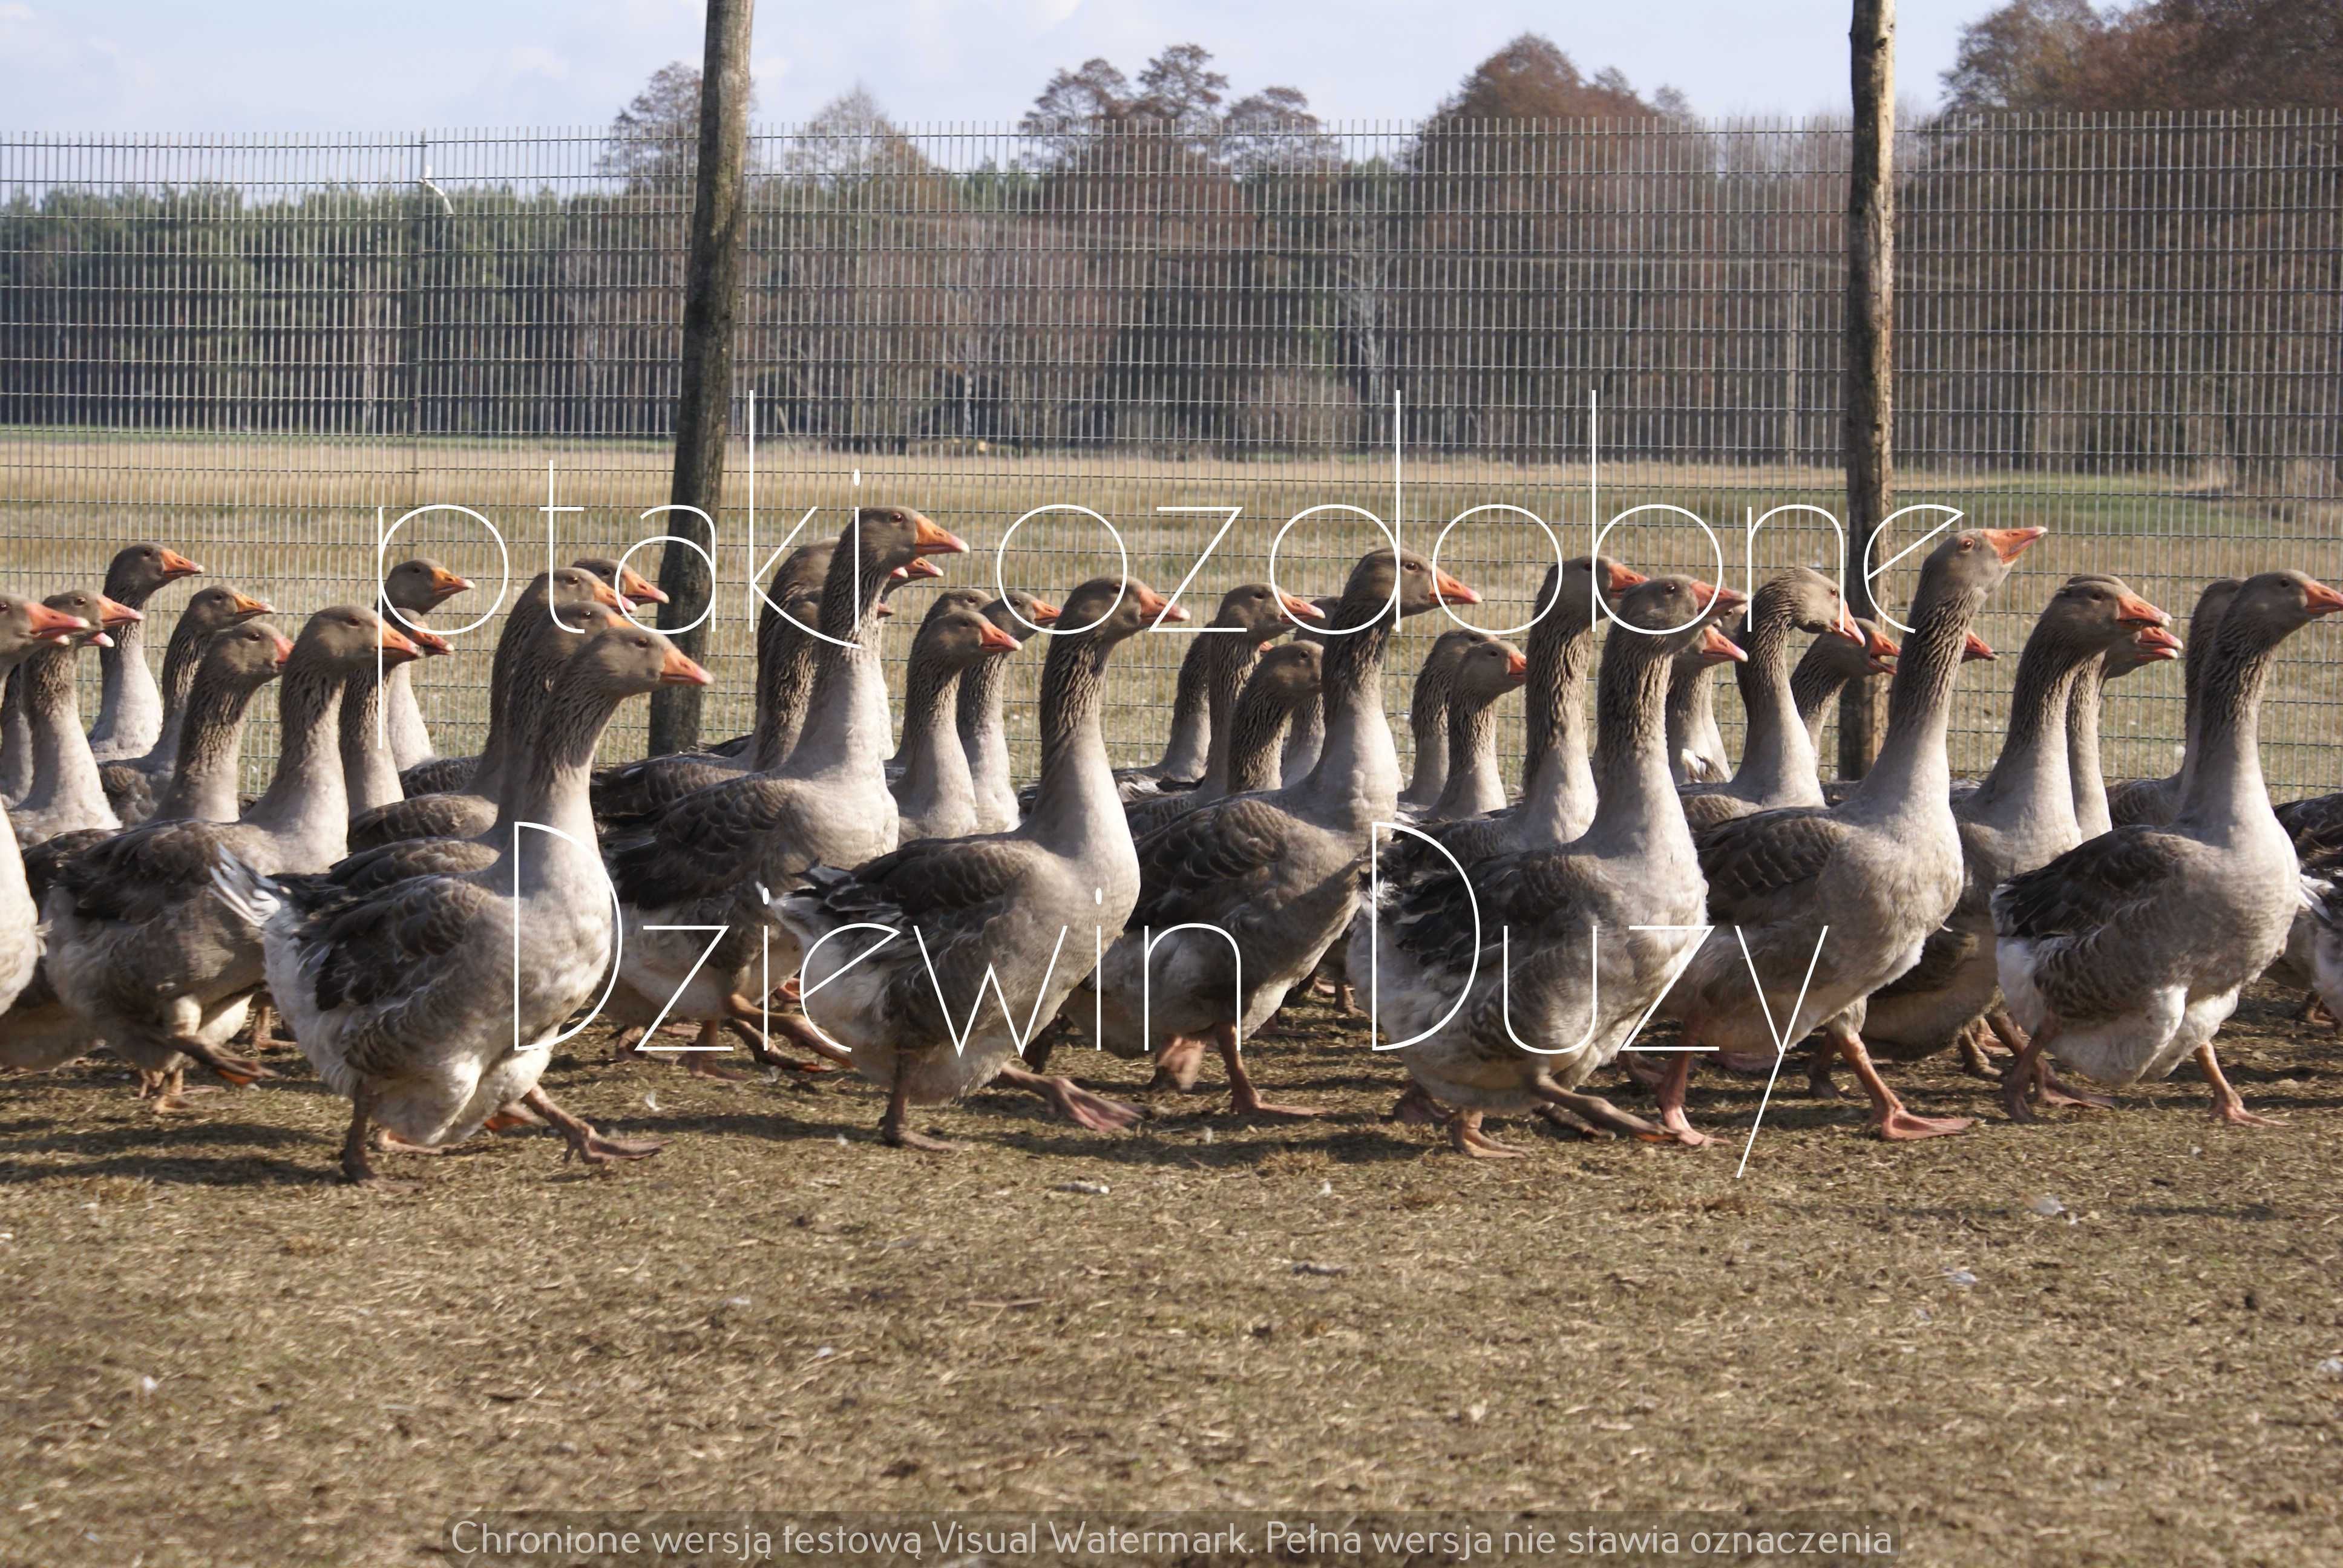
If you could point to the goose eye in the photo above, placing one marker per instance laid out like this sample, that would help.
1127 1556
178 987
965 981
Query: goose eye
1968 544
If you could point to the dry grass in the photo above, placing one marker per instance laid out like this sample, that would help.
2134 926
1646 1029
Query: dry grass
778 1313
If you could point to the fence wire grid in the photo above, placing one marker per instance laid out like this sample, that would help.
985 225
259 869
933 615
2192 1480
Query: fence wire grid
2127 328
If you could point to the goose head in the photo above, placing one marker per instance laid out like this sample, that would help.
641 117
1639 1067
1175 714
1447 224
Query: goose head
1676 613
214 609
1815 605
959 634
2098 613
1263 613
1293 674
631 584
1488 668
568 591
137 571
1571 589
346 639
27 625
421 585
626 661
1105 609
1021 614
99 614
897 536
2270 606
247 655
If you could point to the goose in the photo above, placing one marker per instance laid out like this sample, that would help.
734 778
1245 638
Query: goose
944 602
1473 784
1975 650
129 705
1283 682
935 797
1561 955
415 1001
38 1031
710 859
1778 765
547 620
1695 743
369 765
573 584
1004 912
25 626
133 786
2021 815
1880 872
1307 733
2126 954
1427 715
1266 883
66 795
143 945
414 588
2153 801
1828 666
983 738
1212 670
2082 769
631 584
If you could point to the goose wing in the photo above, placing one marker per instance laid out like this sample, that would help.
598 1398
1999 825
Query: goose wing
1757 865
2089 886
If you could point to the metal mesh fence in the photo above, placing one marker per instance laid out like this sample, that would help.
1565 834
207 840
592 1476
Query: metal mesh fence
2127 328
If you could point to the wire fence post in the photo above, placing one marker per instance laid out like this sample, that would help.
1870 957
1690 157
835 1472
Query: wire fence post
1870 416
704 400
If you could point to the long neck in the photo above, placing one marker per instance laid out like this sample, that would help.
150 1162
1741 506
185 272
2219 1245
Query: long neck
2223 785
1777 754
1636 808
368 771
1356 780
935 766
1233 661
15 739
410 738
209 755
1076 797
62 769
1187 751
555 787
1912 765
306 798
1475 782
1303 742
786 658
2032 769
524 624
984 740
1691 707
1427 729
1252 762
128 704
2084 776
1814 685
839 730
1558 778
181 657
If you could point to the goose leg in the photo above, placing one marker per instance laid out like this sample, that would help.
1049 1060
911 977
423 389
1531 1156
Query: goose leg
1820 1060
1888 1117
1642 1069
801 1031
747 1020
585 1143
1675 1126
170 1090
1465 1136
1243 1098
1076 1104
1592 1116
236 1069
2047 1086
895 1129
357 1161
1178 1063
1973 1058
510 1118
2229 1105
1417 1109
699 1063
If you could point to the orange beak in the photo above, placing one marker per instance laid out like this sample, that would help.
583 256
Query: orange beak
55 626
247 607
995 641
679 670
1517 668
931 540
1155 607
919 569
1448 589
111 615
447 585
1044 613
1718 649
1849 630
176 565
633 584
2010 543
1883 650
1976 648
881 610
1618 579
2155 642
1722 602
1301 609
608 597
430 642
2322 599
2134 610
398 648
284 650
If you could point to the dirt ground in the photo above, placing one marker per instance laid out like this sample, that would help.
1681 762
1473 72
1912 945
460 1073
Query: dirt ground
2110 1338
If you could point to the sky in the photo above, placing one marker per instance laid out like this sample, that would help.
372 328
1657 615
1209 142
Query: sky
310 65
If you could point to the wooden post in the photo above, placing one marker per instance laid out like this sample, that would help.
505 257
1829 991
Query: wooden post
704 402
1870 426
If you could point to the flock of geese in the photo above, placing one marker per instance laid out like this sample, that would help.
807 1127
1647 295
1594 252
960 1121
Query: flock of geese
430 927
